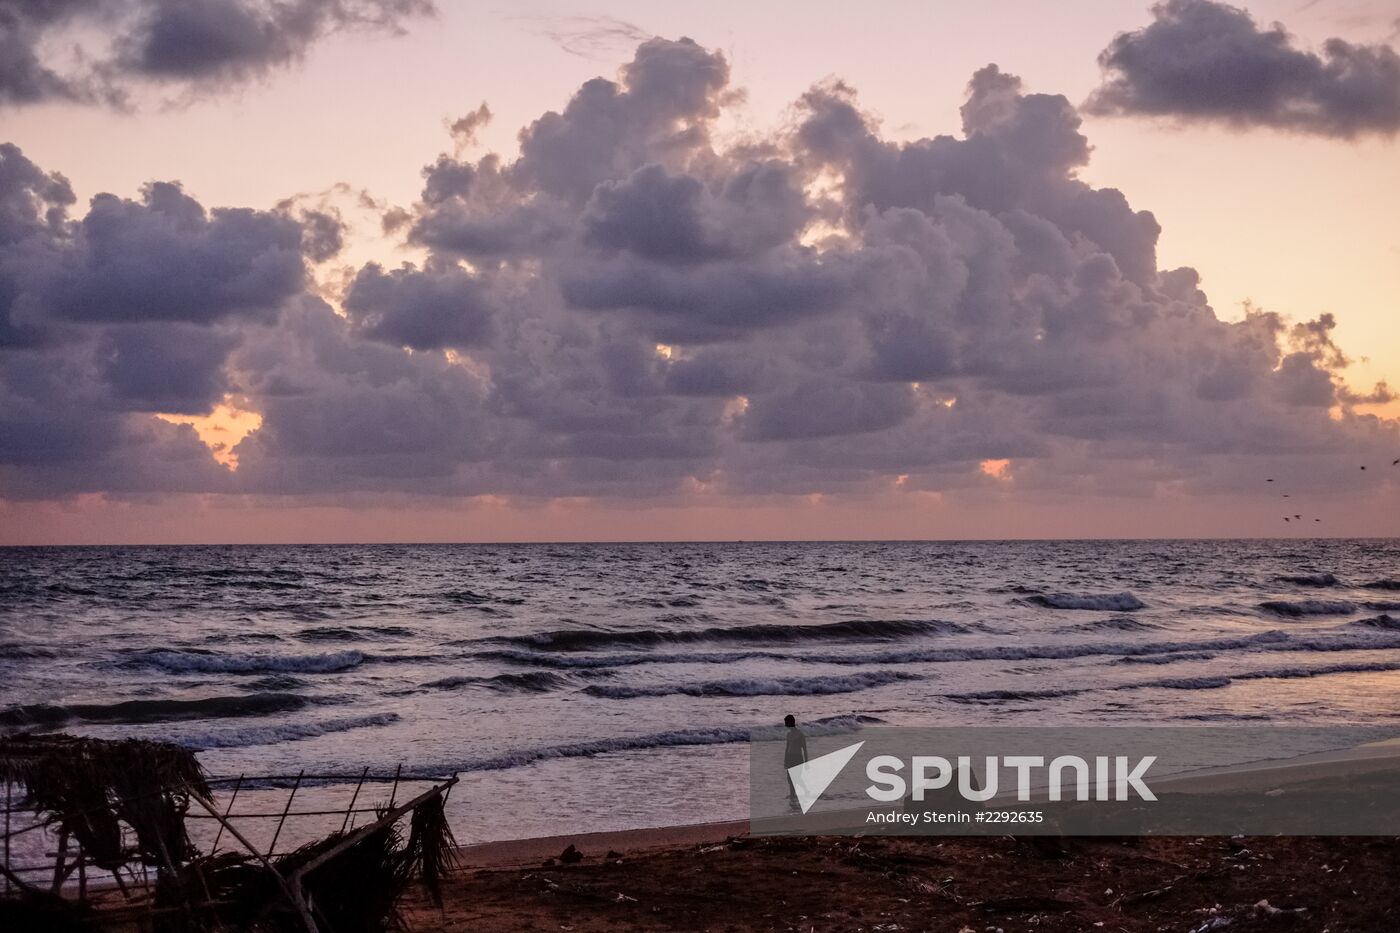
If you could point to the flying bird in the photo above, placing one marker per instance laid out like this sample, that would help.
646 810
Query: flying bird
1297 516
1395 462
1285 518
1270 481
1317 519
1363 468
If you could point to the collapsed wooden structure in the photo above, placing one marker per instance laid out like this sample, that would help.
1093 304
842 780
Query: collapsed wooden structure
119 813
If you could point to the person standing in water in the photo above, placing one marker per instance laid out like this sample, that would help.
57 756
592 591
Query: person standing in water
794 754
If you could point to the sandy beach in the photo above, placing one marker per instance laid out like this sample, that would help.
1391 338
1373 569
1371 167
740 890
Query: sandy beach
712 877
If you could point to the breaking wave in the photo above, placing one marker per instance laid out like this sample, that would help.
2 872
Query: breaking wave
288 732
207 662
759 686
1111 602
773 633
141 711
1382 585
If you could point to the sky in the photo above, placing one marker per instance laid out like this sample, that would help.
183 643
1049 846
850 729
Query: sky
390 270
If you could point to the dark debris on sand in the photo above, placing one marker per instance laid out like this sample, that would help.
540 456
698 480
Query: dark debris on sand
888 884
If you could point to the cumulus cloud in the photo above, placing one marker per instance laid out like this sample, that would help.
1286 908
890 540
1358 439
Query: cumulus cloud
631 309
194 44
1202 60
133 309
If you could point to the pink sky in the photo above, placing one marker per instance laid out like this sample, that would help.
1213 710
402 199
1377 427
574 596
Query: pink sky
702 301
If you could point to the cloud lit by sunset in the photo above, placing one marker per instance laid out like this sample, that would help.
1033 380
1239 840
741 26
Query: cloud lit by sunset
654 265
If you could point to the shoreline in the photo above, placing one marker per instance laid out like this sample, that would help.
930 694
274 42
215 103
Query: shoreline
510 853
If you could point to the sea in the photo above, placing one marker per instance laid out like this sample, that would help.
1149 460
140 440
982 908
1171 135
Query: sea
581 687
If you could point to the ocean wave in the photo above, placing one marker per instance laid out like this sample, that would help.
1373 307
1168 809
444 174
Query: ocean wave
473 598
834 725
1199 682
286 732
353 632
1115 624
523 682
768 633
999 696
1185 683
143 711
1110 602
903 656
756 686
272 683
1383 622
1296 609
20 651
1167 658
601 661
1294 673
1382 585
1272 640
1309 579
206 662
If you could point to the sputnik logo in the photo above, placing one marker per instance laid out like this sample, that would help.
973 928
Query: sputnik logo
811 778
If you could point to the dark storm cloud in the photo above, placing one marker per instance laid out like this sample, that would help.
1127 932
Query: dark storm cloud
631 309
1204 60
198 44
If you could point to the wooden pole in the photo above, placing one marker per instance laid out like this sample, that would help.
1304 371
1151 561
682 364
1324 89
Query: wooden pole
60 857
349 811
395 792
285 810
220 834
293 892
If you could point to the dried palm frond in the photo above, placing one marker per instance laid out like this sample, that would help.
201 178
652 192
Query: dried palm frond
431 849
92 786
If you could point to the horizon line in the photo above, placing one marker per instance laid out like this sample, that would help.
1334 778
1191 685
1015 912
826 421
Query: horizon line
550 541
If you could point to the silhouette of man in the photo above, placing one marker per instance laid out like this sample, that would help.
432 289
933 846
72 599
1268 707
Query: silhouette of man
794 754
